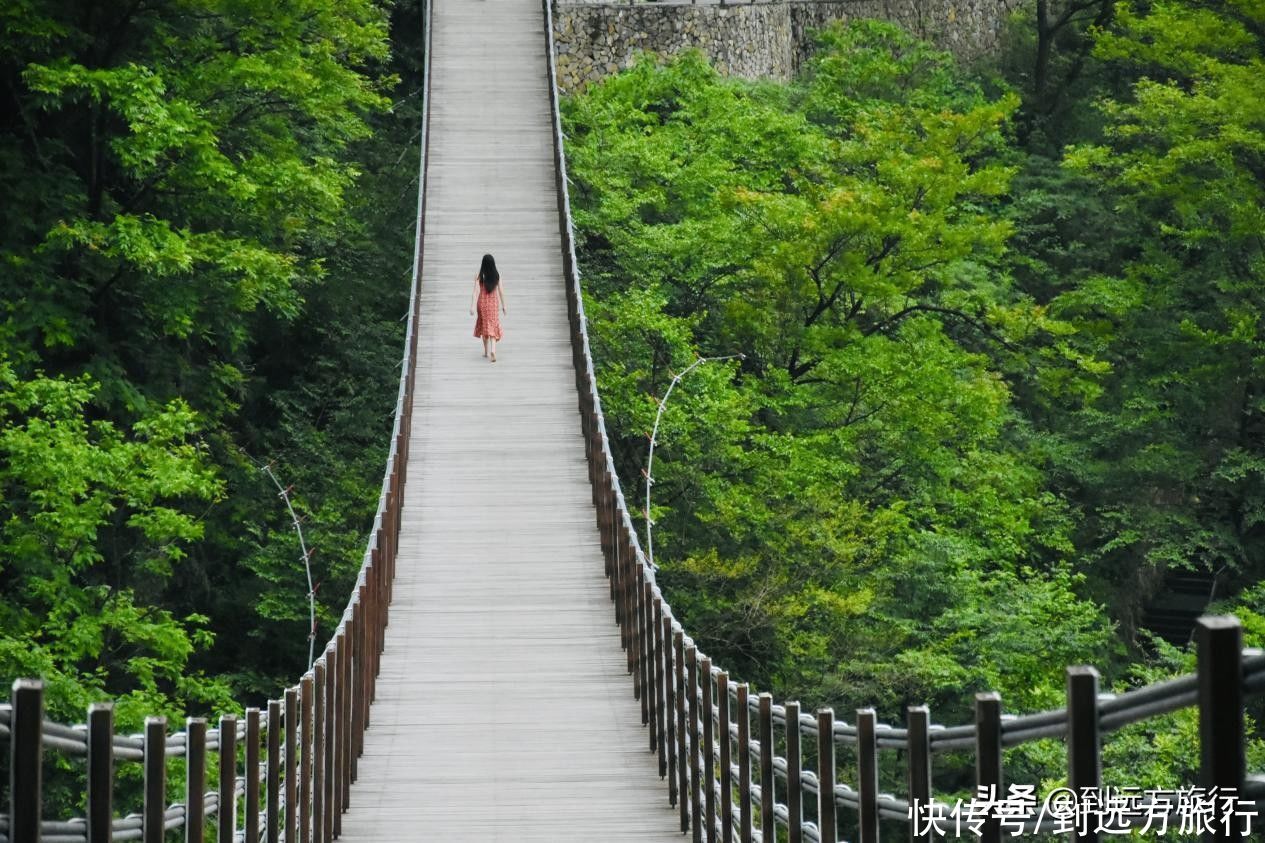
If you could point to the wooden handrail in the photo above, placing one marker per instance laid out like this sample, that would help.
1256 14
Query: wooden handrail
301 753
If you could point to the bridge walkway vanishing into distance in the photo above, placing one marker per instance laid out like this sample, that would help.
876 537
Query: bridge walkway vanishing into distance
475 688
502 661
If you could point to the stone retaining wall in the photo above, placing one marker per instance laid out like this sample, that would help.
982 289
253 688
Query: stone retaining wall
768 40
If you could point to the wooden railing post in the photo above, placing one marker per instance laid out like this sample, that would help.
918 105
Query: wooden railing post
867 774
226 814
305 758
591 449
726 775
631 591
660 684
1219 643
794 793
318 752
292 776
696 784
1084 769
918 725
641 588
379 617
623 542
616 562
604 505
272 788
628 582
682 734
250 829
195 779
648 654
744 764
101 773
709 750
372 605
826 777
389 579
343 657
359 722
988 768
611 552
331 729
155 801
669 709
768 783
615 540
602 509
371 640
26 761
347 701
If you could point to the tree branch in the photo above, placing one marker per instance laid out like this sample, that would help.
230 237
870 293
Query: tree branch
978 325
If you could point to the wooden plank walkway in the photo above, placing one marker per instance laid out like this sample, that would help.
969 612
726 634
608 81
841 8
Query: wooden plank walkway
504 708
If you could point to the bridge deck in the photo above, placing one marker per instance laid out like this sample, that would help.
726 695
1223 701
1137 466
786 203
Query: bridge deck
504 710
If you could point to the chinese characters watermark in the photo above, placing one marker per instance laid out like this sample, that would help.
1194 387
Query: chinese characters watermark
1188 810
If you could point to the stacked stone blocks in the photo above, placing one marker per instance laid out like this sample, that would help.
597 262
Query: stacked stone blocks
754 40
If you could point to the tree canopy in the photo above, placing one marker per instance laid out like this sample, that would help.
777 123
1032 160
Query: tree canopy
191 289
1002 335
855 509
1000 328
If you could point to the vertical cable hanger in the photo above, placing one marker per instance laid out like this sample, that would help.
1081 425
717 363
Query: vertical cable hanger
283 492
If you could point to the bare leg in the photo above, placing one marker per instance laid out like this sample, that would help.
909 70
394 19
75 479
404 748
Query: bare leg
485 346
492 345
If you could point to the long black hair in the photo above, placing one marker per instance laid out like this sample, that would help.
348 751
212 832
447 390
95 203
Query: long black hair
488 276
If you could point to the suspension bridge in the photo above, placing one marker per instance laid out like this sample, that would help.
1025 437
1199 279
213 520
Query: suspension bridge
476 687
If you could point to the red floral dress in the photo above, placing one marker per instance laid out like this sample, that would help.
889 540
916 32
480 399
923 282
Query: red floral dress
489 322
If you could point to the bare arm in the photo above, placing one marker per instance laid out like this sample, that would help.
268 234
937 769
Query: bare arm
501 289
474 294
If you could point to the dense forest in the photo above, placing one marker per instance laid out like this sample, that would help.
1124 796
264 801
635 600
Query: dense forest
1004 357
1003 364
206 250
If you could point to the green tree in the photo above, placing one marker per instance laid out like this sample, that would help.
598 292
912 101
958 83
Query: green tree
1166 458
178 167
191 260
72 488
860 484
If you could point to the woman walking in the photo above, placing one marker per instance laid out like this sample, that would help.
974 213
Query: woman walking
488 294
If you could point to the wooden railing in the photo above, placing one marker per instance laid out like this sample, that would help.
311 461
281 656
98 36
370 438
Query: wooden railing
290 766
733 760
